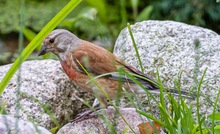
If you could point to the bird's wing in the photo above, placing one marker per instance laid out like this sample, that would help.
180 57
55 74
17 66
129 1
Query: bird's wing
95 59
148 82
134 70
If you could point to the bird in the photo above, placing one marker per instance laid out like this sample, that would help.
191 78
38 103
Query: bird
81 59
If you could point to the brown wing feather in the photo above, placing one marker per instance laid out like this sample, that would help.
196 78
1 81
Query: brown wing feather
96 59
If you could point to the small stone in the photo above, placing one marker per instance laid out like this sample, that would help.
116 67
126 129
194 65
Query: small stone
11 125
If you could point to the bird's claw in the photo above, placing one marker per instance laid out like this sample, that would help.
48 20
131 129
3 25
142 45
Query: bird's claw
88 114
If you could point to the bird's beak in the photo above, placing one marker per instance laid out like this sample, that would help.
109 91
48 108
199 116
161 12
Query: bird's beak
43 50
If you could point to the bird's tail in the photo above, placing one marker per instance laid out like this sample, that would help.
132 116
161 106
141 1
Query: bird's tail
156 90
183 93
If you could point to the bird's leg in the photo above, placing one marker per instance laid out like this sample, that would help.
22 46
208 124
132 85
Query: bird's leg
90 113
95 103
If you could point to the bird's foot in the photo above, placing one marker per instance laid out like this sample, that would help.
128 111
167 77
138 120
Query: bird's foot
88 114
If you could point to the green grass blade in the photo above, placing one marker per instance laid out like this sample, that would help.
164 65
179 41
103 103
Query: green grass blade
2 107
197 101
135 47
213 113
37 41
162 100
179 126
151 117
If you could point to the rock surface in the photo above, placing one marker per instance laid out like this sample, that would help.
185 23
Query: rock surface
98 126
42 83
11 125
169 47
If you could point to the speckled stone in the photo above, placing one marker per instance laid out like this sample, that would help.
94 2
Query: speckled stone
11 125
42 83
169 47
98 126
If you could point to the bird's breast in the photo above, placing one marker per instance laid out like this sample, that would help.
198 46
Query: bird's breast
71 73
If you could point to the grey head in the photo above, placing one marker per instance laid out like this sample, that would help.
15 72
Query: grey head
59 41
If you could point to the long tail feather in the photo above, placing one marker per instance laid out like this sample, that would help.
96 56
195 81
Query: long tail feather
183 93
175 92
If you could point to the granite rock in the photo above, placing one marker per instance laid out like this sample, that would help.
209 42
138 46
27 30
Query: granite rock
98 126
11 125
44 88
170 47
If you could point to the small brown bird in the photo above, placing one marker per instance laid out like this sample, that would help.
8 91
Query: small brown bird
77 55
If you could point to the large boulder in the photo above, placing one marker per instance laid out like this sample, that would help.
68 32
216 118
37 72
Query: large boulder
173 49
113 123
45 93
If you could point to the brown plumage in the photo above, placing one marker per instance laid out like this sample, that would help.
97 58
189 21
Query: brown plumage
75 55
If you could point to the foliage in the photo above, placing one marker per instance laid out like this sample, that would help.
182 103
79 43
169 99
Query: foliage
93 20
203 13
104 19
37 14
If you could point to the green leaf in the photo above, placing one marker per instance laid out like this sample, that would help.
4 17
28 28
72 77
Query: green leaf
151 117
194 129
217 127
37 41
204 131
100 6
29 34
134 3
216 116
2 108
86 13
217 131
54 129
145 14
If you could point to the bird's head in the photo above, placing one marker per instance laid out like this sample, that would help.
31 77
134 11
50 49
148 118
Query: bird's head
59 42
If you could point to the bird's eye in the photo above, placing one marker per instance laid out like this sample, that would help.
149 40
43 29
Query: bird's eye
51 40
